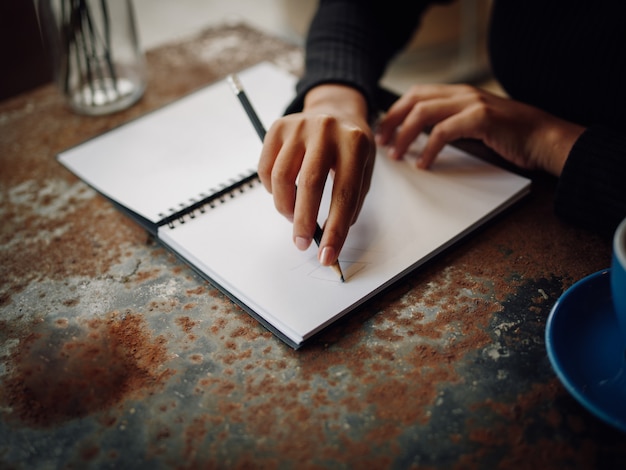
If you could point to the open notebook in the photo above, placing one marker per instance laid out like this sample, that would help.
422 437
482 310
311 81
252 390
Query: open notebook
186 172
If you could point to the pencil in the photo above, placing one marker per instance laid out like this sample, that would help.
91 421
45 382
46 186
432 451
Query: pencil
238 90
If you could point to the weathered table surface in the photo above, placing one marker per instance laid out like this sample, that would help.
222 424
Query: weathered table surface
115 354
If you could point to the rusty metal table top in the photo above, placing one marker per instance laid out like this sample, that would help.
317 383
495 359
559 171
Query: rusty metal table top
114 354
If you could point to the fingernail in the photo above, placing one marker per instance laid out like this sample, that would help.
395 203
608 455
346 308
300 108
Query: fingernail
302 243
327 256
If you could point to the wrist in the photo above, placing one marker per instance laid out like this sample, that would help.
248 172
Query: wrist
336 100
561 138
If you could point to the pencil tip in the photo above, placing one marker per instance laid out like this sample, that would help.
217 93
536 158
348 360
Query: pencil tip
337 268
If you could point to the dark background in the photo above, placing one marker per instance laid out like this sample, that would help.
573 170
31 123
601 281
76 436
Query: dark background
22 54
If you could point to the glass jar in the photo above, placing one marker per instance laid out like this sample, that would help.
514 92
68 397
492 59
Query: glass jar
97 61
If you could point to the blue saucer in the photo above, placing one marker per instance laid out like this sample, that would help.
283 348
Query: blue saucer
586 348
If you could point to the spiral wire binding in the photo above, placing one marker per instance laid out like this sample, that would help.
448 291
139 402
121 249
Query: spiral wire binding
215 198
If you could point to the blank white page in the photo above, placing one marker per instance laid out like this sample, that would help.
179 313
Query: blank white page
182 152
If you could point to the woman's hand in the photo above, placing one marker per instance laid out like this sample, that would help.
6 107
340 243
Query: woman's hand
526 136
330 136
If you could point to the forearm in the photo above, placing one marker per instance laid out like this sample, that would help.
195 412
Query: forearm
351 43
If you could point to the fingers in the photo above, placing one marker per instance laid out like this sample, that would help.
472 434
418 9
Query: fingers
314 172
272 146
278 168
404 105
350 185
450 111
423 115
303 151
464 124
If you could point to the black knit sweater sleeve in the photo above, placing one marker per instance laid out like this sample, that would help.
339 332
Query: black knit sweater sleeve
591 191
571 64
352 41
